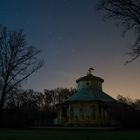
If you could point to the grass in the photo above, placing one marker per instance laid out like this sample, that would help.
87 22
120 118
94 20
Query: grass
68 134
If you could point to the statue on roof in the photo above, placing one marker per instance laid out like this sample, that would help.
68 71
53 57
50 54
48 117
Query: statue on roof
89 72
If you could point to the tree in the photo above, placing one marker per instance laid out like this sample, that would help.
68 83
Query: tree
128 112
127 14
25 99
125 100
57 96
18 61
23 108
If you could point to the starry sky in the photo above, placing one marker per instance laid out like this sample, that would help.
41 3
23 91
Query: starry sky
73 36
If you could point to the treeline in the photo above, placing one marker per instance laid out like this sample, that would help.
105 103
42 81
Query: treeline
30 108
128 112
135 104
27 108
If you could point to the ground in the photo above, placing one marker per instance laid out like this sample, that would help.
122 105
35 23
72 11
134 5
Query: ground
68 134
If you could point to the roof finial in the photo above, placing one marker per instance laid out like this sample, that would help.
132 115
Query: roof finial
89 71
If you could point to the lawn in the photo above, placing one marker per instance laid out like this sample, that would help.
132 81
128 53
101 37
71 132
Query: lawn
68 134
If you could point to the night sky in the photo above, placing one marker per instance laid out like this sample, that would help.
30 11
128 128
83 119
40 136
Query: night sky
73 36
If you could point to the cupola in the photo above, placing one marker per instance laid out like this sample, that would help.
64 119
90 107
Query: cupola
90 81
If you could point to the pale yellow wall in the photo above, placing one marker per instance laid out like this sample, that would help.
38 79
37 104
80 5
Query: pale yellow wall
90 84
84 112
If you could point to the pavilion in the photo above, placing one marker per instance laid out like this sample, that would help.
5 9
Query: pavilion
89 106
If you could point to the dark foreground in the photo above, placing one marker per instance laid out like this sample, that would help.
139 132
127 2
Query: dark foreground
68 134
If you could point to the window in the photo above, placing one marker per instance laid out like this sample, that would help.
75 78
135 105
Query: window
88 83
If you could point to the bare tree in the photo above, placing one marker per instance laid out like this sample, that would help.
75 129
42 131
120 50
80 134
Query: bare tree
127 14
57 96
17 61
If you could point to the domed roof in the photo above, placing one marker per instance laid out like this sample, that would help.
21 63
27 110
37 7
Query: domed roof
90 77
90 93
87 94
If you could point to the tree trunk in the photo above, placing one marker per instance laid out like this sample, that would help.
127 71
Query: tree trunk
2 101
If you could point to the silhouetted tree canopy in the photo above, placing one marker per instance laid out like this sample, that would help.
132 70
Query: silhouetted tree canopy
57 96
135 104
128 112
31 108
127 14
17 61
